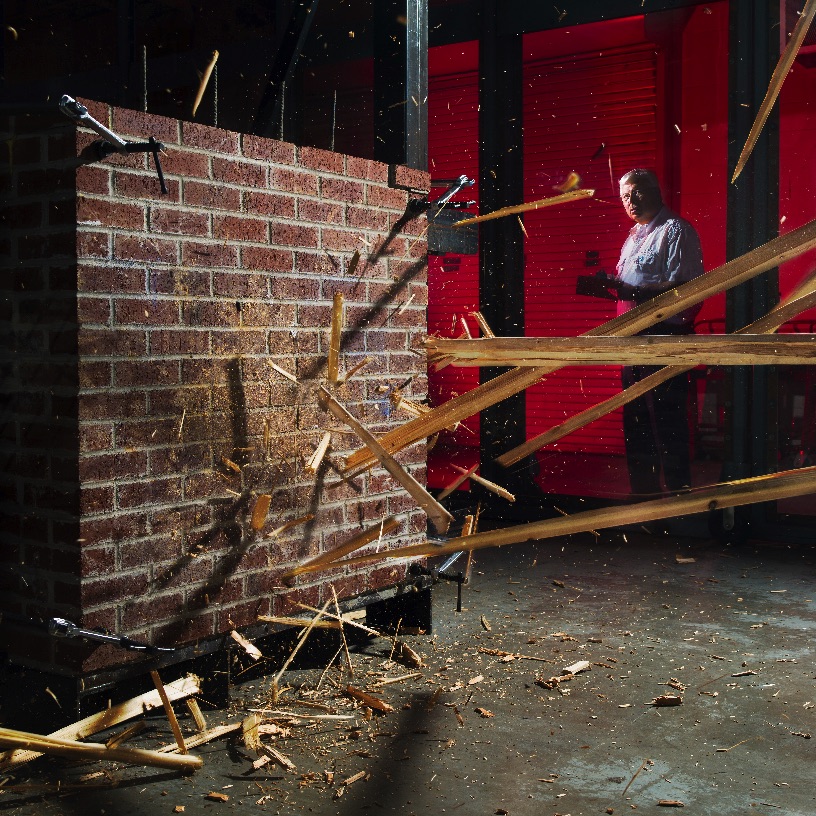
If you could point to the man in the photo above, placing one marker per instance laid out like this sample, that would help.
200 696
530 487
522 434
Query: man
661 252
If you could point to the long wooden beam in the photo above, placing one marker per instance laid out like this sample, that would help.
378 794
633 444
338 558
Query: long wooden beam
354 543
784 65
642 317
551 201
786 484
437 514
693 350
800 300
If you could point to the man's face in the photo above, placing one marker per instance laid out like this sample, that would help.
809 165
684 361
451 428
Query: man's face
641 203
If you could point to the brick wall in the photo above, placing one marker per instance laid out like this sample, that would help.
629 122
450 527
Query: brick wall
137 363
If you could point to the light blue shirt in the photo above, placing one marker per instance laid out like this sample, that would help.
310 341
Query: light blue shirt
666 250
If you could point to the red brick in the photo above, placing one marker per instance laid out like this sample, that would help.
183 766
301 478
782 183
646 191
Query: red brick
93 180
367 218
324 160
273 204
209 254
314 263
94 375
106 279
233 171
150 432
350 192
44 181
143 311
366 169
95 500
95 437
268 314
145 608
141 126
313 315
181 222
292 235
179 342
28 150
292 181
294 287
112 405
211 139
120 527
215 196
271 150
144 185
240 285
110 343
23 216
179 282
111 467
150 372
94 310
243 342
415 179
340 240
266 258
185 163
201 313
319 212
109 213
147 493
143 248
378 196
153 551
229 227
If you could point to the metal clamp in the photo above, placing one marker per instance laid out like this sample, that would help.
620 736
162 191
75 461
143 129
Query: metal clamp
59 627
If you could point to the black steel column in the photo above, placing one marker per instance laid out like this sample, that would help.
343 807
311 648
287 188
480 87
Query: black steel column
501 242
401 82
753 218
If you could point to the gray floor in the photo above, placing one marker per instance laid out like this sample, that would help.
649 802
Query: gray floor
734 628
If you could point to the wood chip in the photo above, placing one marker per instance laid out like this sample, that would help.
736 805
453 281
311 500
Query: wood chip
283 372
250 648
277 756
483 712
580 666
670 803
260 511
369 700
356 778
485 623
230 465
217 796
666 700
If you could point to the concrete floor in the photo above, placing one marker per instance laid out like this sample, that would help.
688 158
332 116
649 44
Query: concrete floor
734 627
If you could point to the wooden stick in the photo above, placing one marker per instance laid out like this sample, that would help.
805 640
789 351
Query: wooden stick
345 619
564 198
409 406
438 515
334 342
205 78
342 631
300 622
299 644
249 732
293 523
278 757
457 481
480 319
786 484
641 317
204 737
465 327
195 712
177 690
250 648
168 709
354 543
797 302
487 484
369 700
351 372
782 69
283 372
313 465
95 750
691 350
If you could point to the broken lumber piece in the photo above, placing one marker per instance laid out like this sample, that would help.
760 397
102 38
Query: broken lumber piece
352 371
168 710
464 474
668 350
551 201
487 484
438 515
315 460
730 274
354 543
177 690
480 319
95 750
369 700
202 86
283 372
334 340
250 648
277 756
293 523
196 714
782 69
204 737
260 511
786 484
802 298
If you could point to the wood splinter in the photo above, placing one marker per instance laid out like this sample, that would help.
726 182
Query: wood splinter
334 340
315 460
487 484
205 78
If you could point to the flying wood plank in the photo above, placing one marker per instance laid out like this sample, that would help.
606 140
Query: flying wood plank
775 85
354 543
786 484
177 690
564 198
692 350
642 317
797 302
438 515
